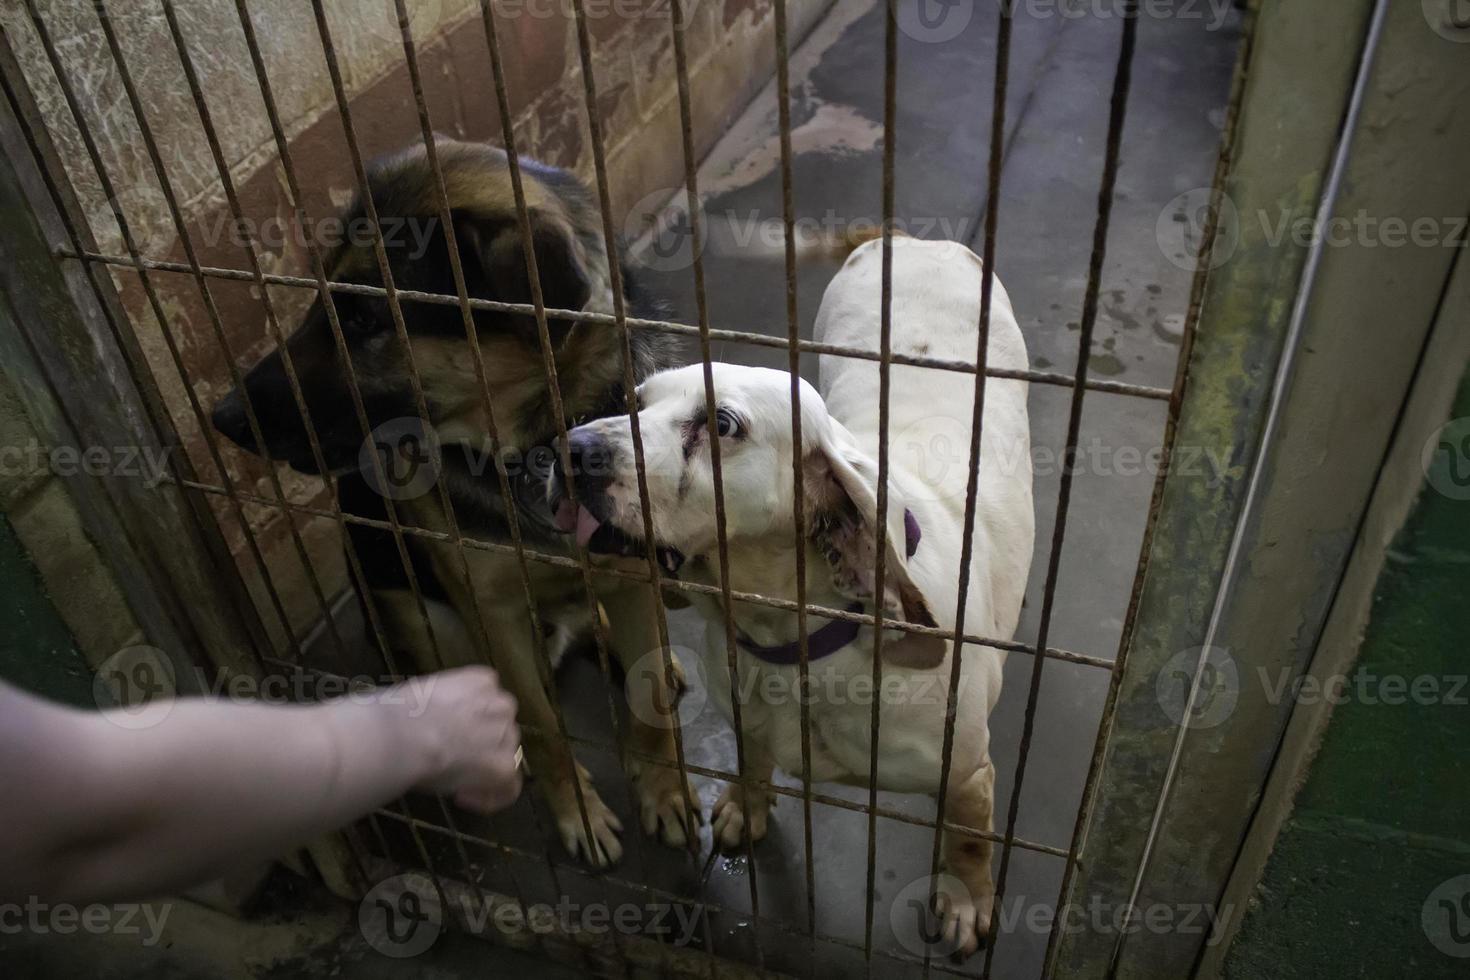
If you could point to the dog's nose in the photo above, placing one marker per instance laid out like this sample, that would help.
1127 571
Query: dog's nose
592 460
230 420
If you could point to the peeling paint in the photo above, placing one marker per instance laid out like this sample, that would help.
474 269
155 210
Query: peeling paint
839 130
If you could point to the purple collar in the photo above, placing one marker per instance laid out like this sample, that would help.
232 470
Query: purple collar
911 533
823 643
836 634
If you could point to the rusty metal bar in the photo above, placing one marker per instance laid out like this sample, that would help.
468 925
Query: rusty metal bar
885 357
319 268
123 228
48 167
513 163
293 186
472 337
662 895
885 363
380 252
492 43
977 422
165 327
798 473
1117 114
722 542
640 323
1171 425
369 602
678 585
216 321
273 323
283 149
731 777
620 313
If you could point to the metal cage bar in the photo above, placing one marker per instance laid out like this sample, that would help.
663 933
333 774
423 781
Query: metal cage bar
370 607
273 325
798 475
676 585
216 322
977 419
462 545
642 323
293 186
1156 495
885 363
472 337
395 306
595 128
339 340
94 157
1117 115
722 538
156 419
662 894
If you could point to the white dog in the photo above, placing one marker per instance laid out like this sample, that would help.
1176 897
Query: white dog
935 312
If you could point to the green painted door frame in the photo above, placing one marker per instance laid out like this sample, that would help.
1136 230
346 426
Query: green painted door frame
1175 802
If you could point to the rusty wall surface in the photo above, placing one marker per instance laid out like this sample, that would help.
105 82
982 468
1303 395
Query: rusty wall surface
731 50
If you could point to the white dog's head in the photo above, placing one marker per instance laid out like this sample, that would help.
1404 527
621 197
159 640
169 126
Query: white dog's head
753 420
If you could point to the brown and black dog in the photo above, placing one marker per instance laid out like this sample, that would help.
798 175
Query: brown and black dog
574 274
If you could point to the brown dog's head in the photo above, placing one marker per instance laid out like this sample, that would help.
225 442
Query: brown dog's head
573 272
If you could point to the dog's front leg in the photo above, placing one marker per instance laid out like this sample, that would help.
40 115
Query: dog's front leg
495 614
588 828
668 805
728 816
966 896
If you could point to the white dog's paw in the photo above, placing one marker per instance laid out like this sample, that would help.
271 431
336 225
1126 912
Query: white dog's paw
965 919
728 816
602 848
668 805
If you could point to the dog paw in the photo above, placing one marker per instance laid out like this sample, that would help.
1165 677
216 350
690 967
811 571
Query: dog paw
668 805
602 848
964 919
677 679
728 817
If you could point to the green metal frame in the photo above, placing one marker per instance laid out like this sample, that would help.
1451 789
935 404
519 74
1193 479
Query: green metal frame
1371 311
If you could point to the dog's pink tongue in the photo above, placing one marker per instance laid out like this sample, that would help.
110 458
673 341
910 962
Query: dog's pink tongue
566 516
587 526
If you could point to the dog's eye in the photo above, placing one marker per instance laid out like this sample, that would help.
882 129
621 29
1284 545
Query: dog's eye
727 424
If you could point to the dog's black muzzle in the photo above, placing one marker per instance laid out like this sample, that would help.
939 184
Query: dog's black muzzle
593 460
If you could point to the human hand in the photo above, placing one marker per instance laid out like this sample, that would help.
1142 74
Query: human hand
468 728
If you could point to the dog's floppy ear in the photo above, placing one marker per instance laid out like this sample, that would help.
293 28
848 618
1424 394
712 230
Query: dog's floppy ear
842 504
495 248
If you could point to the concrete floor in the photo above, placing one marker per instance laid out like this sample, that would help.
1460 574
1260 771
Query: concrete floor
1061 75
